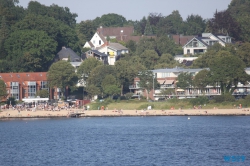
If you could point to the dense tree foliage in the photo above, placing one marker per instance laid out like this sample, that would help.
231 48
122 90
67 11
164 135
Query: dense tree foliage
228 71
3 91
62 75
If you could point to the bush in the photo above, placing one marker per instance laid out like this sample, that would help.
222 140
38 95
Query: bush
229 97
199 100
219 99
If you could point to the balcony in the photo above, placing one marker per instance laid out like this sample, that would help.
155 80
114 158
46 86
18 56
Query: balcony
167 86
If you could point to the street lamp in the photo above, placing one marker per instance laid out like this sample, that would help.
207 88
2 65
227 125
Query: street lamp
153 86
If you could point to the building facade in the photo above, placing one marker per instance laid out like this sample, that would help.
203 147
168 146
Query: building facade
25 85
167 79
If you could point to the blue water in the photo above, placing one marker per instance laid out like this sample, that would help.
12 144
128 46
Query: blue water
115 141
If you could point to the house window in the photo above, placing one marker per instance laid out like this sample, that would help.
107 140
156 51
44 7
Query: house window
44 85
31 89
165 75
108 53
100 42
188 51
93 41
14 90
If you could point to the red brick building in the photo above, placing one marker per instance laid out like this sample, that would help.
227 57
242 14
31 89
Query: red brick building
25 85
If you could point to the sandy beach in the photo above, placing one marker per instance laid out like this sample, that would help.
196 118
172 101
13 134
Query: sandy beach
102 113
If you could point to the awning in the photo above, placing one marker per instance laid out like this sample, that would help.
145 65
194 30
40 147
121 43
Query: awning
165 82
180 90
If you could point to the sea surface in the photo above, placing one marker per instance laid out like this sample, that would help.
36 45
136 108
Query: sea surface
125 141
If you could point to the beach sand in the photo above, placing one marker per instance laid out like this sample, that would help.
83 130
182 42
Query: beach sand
96 113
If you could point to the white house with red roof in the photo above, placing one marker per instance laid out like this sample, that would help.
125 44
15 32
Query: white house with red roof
112 50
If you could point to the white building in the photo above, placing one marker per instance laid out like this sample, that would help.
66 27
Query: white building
200 44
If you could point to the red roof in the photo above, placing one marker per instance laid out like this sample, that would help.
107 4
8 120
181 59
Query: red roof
23 77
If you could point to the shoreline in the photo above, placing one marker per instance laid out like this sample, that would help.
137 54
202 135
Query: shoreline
14 114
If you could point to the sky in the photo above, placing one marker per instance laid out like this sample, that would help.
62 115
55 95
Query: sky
136 9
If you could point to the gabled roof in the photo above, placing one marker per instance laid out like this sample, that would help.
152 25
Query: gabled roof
68 53
116 31
117 46
199 39
114 46
90 43
102 37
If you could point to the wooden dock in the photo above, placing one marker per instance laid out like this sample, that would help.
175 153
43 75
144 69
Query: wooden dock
76 114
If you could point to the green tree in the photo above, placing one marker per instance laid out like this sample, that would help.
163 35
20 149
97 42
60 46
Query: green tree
194 25
86 67
35 48
63 34
97 75
145 44
243 52
129 95
165 45
201 79
126 71
3 91
149 58
239 10
147 81
110 20
58 13
92 90
166 61
185 80
167 92
43 93
4 33
224 23
112 90
108 80
85 31
62 75
131 45
148 29
228 72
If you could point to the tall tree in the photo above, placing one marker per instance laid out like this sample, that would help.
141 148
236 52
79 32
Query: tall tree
4 33
185 80
63 34
166 45
110 20
58 13
85 69
36 48
3 91
194 25
224 23
97 75
149 59
201 79
62 75
85 31
148 29
228 71
243 52
147 81
240 11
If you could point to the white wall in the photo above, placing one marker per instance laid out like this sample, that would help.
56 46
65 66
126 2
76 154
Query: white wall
95 40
